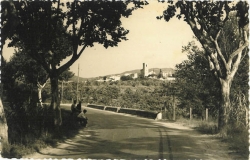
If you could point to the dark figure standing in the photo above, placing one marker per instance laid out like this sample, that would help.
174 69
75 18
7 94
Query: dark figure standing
79 107
73 107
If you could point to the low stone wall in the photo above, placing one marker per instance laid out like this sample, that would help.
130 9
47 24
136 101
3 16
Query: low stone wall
128 111
96 106
140 113
113 109
147 114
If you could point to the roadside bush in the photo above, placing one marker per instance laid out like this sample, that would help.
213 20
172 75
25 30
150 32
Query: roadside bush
207 127
16 151
237 136
126 78
25 122
29 135
241 145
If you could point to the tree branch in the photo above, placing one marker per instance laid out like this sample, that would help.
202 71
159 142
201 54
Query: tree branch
80 30
58 7
218 49
211 66
75 44
216 64
71 61
236 65
246 51
42 86
239 50
41 60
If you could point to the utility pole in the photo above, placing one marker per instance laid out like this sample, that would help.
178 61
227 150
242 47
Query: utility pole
172 92
77 84
190 113
173 105
206 114
62 93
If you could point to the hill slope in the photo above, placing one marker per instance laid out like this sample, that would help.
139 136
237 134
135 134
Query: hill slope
157 70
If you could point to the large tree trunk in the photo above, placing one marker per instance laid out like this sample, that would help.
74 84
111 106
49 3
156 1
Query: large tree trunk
3 128
225 104
55 101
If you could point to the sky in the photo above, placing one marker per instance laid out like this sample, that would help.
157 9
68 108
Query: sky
155 42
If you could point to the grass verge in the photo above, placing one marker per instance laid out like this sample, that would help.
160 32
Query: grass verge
68 129
236 135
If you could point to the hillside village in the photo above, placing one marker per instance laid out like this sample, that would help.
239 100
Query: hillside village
145 72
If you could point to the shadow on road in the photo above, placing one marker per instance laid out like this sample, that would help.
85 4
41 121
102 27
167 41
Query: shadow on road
111 135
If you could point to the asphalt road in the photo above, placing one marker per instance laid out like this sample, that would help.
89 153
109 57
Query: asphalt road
118 136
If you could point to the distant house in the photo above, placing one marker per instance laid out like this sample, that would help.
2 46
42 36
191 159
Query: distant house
164 74
134 75
152 77
127 74
152 73
115 78
170 78
101 80
170 74
167 74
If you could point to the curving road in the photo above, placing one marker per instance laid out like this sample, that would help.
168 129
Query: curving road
118 136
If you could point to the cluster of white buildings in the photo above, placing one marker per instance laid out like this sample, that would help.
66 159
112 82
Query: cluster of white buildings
145 73
152 74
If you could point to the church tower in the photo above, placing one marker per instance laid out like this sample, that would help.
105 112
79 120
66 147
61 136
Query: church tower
145 70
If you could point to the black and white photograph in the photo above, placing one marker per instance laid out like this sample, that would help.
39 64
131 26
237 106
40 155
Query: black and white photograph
124 79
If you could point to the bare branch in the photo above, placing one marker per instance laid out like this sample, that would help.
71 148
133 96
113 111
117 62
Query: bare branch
242 57
71 61
211 66
242 46
58 7
214 60
217 35
218 49
236 65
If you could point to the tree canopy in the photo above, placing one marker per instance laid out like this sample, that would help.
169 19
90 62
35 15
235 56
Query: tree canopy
198 88
50 31
222 29
207 20
41 27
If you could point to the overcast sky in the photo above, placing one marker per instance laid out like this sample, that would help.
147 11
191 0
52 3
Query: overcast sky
155 42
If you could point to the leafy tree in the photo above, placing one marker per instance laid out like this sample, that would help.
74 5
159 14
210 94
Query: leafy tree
19 84
49 33
152 75
239 93
197 86
126 78
3 122
213 25
22 70
105 94
105 78
66 75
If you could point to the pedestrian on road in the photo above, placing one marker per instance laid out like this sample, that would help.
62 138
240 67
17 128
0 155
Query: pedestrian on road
73 107
82 119
79 107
